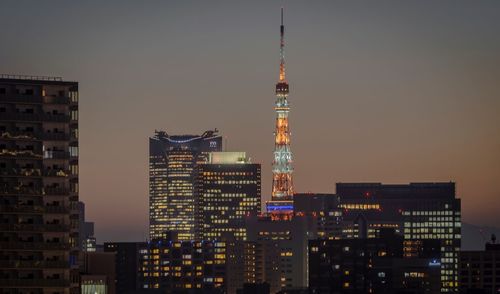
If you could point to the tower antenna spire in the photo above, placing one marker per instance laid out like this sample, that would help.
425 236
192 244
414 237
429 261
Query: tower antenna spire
282 49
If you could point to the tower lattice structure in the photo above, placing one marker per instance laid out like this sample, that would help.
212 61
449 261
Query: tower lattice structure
282 163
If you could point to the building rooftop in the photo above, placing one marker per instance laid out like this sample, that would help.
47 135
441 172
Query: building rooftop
33 79
388 191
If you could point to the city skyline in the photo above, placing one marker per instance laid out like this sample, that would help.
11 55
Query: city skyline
403 110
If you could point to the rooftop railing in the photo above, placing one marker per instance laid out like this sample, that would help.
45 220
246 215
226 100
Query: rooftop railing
30 77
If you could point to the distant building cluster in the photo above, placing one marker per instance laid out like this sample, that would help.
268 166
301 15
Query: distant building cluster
207 232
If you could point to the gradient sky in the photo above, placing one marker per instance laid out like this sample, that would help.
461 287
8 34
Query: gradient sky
381 91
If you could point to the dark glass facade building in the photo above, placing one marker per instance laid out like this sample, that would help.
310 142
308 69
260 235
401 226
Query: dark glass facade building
322 212
126 265
417 211
173 162
375 265
480 270
39 237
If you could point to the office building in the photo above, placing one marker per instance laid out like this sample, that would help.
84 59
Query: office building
173 161
279 251
39 239
418 211
282 193
183 266
374 265
480 270
127 261
229 189
323 214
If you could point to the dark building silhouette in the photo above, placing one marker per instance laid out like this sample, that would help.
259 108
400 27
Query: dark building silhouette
98 273
251 288
173 161
39 239
418 211
322 212
87 239
480 270
126 265
374 265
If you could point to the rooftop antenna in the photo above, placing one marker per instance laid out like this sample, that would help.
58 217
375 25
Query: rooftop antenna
282 49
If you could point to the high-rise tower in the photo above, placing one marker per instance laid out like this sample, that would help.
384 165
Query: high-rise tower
39 236
173 163
282 194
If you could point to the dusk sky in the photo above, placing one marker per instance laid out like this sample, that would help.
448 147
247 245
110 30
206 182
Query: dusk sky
381 91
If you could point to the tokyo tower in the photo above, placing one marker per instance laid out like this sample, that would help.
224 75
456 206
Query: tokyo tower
282 193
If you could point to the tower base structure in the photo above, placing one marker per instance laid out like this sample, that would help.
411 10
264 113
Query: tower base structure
279 206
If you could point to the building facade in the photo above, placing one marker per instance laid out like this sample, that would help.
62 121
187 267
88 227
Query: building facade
183 266
279 245
173 161
88 242
323 214
98 273
229 189
480 270
418 211
38 185
127 262
374 265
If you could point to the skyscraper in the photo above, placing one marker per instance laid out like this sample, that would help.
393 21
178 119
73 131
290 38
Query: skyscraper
38 185
172 173
282 193
229 190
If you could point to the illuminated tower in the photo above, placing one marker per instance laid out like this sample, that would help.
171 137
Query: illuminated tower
282 194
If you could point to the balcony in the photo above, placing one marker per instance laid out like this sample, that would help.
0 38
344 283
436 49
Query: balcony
55 209
34 172
56 118
35 136
18 135
33 264
33 283
19 154
20 172
55 191
34 246
34 228
21 209
54 136
32 117
20 117
56 155
31 209
35 191
52 99
20 191
19 98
